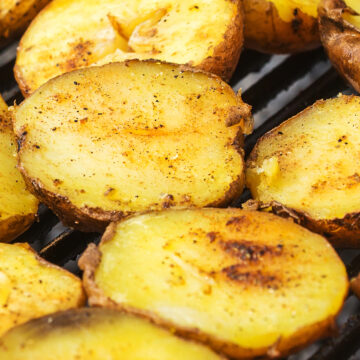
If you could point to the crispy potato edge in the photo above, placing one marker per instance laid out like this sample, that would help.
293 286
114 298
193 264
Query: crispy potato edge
340 40
14 226
90 260
301 34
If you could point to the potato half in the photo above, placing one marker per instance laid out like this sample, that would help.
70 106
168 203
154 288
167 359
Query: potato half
281 26
101 143
340 35
18 206
308 168
30 287
72 34
247 283
15 16
97 334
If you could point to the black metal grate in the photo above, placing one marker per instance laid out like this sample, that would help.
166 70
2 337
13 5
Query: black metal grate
278 87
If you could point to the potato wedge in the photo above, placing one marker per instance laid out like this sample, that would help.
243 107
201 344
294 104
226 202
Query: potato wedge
30 287
340 35
101 143
307 168
70 34
16 15
247 283
355 285
18 207
281 26
97 334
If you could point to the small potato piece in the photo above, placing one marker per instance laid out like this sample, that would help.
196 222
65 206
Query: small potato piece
15 16
101 143
340 35
97 334
247 283
18 206
30 287
308 168
355 285
71 34
281 26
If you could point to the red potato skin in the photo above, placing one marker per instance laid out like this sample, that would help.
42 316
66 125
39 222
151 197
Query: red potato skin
341 40
265 31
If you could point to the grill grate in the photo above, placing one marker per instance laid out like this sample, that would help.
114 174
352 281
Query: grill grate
278 87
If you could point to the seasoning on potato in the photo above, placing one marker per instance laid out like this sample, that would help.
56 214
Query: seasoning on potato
18 207
340 35
101 143
71 34
281 26
16 15
249 284
308 168
30 287
97 334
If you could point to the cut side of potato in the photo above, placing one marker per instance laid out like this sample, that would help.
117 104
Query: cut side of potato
97 334
340 35
281 26
308 168
18 207
246 283
15 16
30 287
101 143
70 34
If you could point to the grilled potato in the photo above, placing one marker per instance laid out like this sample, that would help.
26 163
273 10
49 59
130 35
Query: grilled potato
17 206
340 35
70 34
355 285
15 16
308 168
247 283
30 287
97 334
281 26
101 143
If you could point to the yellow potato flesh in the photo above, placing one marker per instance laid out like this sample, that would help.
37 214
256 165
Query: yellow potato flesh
72 34
15 200
97 334
30 288
286 8
353 19
132 136
246 278
312 164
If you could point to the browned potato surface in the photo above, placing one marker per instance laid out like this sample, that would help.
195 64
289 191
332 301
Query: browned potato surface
355 285
281 26
340 35
246 283
30 287
15 16
101 143
97 334
308 169
71 34
17 206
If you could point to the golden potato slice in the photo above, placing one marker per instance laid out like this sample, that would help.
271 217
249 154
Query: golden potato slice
17 206
102 143
247 283
281 26
30 287
340 35
70 34
97 334
308 168
15 16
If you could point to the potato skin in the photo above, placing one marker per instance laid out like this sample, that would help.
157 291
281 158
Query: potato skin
14 226
18 17
341 40
265 31
89 263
